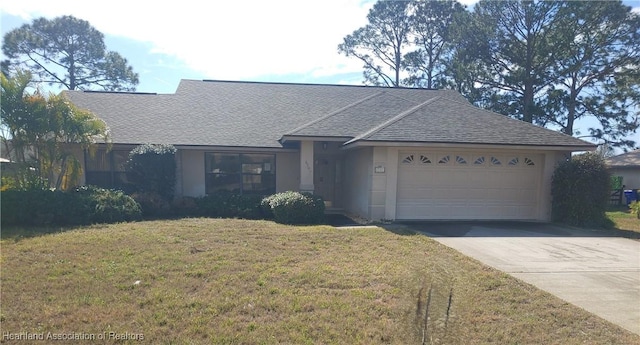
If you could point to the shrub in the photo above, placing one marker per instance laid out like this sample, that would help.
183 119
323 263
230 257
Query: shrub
225 204
153 169
109 206
185 207
635 208
153 205
84 205
295 208
580 191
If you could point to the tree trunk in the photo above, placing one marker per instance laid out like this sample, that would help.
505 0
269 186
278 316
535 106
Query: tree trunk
571 110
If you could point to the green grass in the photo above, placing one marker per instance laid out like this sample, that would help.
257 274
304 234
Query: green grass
623 219
208 281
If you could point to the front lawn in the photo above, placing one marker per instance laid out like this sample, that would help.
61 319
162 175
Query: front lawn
221 281
623 219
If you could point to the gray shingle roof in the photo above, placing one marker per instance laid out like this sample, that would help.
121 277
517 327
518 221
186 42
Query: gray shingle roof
444 120
629 159
223 113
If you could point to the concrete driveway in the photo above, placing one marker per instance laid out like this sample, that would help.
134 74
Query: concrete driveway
597 273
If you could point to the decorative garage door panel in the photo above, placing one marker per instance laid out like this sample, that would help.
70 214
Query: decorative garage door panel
468 186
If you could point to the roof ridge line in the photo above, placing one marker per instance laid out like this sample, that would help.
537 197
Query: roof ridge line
375 94
392 120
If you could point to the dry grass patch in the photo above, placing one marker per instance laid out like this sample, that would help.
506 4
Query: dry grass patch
624 219
208 281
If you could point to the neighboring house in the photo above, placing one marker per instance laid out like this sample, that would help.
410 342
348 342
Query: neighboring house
380 153
626 165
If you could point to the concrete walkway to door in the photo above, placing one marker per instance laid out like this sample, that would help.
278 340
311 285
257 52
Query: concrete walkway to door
597 273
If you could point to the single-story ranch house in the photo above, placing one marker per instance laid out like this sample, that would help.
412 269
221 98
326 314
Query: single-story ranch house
380 153
627 166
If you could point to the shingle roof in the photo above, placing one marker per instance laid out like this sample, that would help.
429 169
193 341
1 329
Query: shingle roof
629 159
224 113
448 121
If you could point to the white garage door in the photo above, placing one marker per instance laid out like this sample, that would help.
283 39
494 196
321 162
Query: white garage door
459 185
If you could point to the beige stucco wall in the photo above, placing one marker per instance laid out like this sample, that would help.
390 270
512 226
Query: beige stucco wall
551 161
358 182
379 181
287 171
630 177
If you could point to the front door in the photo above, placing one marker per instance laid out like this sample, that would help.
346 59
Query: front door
326 178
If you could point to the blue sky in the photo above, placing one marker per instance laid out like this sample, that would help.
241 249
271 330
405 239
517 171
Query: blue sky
276 40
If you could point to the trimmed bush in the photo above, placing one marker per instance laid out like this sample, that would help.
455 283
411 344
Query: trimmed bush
224 204
84 205
153 205
109 206
152 169
580 191
185 207
295 208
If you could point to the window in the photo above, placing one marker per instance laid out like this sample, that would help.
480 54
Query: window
107 169
240 173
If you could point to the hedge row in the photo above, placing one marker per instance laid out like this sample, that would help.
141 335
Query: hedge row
84 205
89 205
287 207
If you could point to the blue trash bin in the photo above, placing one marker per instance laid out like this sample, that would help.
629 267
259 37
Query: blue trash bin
631 195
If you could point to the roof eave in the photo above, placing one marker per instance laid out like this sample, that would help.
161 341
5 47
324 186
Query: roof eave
286 138
565 148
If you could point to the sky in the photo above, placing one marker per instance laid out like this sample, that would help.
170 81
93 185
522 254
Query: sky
249 40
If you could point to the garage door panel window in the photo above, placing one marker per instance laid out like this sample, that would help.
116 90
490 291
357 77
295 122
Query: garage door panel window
461 160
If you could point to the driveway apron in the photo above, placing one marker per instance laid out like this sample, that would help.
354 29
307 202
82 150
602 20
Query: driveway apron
597 273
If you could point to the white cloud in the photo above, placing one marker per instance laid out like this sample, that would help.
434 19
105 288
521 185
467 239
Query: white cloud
224 39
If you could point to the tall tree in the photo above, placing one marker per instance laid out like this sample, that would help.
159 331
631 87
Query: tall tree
431 24
518 53
37 131
69 52
599 73
382 43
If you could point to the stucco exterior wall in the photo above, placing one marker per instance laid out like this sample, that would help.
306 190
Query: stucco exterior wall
551 161
379 182
357 186
630 176
287 171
